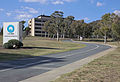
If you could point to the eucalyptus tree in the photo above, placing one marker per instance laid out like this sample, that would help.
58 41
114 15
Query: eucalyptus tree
46 27
65 29
95 28
116 30
106 24
78 28
116 27
56 20
49 28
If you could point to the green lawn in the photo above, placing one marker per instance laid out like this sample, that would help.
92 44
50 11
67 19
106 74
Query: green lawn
104 69
37 46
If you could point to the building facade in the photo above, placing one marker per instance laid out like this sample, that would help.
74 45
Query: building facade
36 25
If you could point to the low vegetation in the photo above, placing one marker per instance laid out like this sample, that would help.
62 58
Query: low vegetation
104 69
13 44
37 46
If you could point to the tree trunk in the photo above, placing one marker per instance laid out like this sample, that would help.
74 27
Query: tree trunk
118 41
48 35
97 37
57 36
105 39
78 37
63 35
53 36
45 34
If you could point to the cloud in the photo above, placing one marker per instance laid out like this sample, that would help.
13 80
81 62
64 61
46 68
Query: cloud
99 4
48 1
117 12
30 10
86 19
25 13
68 0
41 1
8 14
58 2
92 1
24 16
1 9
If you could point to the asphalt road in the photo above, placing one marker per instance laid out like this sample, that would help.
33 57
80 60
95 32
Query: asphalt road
14 71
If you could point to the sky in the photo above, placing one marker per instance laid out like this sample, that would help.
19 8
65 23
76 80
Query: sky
89 10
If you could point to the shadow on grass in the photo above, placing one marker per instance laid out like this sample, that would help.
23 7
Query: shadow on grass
38 48
24 61
10 56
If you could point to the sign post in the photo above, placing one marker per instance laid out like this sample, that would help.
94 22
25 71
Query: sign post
12 30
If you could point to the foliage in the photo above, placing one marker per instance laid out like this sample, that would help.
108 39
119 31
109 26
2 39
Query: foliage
8 46
116 30
23 22
11 44
105 28
66 28
26 32
54 25
1 33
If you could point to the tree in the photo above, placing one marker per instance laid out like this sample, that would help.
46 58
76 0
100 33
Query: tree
105 24
27 30
56 21
79 28
116 27
65 29
1 33
23 22
116 31
46 27
88 31
95 26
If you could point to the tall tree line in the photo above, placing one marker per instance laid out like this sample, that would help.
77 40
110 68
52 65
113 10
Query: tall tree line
66 27
107 27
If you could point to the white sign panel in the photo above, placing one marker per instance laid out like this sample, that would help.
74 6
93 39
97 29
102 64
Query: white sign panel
12 30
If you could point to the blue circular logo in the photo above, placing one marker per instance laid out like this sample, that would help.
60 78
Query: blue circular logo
10 28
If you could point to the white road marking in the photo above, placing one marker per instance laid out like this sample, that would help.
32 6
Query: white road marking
46 60
97 46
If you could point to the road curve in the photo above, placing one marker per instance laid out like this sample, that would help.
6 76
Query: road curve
14 71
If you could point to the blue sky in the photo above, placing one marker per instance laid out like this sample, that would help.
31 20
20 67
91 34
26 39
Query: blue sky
89 10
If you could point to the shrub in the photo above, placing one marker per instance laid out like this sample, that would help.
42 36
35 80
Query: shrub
11 44
7 46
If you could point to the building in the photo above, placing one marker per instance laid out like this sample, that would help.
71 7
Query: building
36 25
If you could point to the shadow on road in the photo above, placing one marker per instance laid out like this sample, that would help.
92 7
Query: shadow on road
27 62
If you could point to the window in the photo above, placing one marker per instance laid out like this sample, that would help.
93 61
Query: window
37 27
37 31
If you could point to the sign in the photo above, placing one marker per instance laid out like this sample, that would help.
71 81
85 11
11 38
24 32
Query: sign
12 30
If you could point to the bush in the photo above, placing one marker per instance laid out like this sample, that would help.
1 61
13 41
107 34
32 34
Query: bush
7 46
11 44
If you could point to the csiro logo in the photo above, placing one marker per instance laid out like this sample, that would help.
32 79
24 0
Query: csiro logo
10 28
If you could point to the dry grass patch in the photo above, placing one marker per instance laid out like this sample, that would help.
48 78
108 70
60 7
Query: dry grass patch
104 69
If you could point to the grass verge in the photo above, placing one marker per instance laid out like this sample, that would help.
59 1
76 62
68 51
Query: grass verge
37 46
104 69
